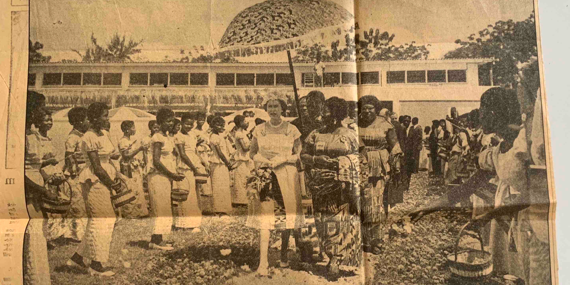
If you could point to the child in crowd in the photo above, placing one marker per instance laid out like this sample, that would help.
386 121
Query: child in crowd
132 168
220 168
153 127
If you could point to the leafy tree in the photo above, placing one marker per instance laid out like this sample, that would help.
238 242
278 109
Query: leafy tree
203 57
35 56
118 50
371 46
510 43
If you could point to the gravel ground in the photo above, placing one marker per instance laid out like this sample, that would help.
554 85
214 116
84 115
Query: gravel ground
226 252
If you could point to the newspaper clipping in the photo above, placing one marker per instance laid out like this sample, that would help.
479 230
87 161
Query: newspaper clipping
274 142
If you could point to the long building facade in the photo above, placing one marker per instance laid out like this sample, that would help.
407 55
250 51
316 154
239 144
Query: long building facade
426 89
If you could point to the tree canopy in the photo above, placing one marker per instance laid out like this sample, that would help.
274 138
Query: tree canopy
35 56
510 43
117 50
201 56
372 45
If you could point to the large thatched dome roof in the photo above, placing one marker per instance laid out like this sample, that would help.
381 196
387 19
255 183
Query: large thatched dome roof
278 20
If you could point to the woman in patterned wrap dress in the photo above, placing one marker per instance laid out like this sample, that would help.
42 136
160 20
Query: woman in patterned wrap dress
97 181
378 147
331 157
37 157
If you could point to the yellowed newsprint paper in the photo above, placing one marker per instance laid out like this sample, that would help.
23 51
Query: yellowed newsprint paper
274 142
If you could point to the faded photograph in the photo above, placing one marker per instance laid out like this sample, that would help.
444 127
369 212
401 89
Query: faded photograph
286 142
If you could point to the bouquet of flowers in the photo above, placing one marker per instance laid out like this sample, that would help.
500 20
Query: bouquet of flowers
259 184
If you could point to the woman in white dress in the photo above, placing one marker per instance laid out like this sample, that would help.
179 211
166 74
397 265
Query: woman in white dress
160 180
187 214
204 151
74 162
37 157
276 199
220 166
242 160
97 181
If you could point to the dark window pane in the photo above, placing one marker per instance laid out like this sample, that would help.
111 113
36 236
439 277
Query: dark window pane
395 77
138 78
349 78
114 78
72 79
92 78
226 79
332 78
199 79
52 79
284 79
309 79
178 78
370 77
32 79
266 79
245 79
456 76
436 75
417 76
160 79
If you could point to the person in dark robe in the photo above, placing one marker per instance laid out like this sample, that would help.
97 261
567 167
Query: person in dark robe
433 148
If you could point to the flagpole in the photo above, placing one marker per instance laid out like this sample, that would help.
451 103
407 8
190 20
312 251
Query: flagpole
295 87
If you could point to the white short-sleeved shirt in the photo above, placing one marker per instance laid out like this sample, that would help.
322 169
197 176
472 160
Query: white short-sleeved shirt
189 143
276 140
241 154
220 142
101 143
166 153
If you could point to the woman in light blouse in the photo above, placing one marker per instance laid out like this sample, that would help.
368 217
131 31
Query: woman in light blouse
97 179
160 180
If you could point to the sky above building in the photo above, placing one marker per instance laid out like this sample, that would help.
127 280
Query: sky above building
168 26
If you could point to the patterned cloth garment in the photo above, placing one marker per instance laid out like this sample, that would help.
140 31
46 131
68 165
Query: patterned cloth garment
336 202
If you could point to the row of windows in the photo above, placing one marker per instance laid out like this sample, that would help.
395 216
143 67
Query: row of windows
253 79
344 78
248 79
94 79
163 79
426 76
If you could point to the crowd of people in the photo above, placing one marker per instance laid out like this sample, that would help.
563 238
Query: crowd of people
354 160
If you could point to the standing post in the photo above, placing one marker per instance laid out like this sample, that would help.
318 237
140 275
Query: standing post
295 87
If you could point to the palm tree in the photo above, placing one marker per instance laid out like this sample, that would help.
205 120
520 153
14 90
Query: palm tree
118 50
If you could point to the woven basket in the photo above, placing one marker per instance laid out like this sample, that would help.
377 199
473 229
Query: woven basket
123 196
179 195
461 262
57 206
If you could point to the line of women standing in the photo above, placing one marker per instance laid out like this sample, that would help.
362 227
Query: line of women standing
347 189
